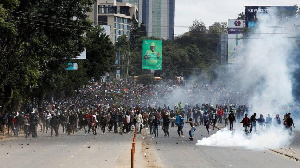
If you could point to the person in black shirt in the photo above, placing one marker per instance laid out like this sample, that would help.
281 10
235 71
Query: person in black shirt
54 125
289 123
231 118
166 122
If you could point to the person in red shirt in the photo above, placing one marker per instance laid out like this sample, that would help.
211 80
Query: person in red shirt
246 123
220 114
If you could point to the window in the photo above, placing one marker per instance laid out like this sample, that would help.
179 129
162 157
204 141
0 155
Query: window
102 20
107 9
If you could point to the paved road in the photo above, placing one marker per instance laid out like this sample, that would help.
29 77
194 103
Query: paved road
113 150
79 150
180 152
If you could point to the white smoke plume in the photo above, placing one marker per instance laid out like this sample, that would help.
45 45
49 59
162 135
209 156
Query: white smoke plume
265 72
271 139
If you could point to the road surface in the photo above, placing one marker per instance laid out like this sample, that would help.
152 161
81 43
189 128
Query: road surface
113 150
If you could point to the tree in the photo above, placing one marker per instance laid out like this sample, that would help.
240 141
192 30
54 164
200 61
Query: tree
100 53
241 16
39 33
197 27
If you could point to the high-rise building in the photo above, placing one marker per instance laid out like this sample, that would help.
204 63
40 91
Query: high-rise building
158 16
139 5
115 14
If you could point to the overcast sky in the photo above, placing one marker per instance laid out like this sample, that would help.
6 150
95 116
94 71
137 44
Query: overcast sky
210 11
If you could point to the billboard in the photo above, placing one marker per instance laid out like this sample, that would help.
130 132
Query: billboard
235 41
281 11
152 54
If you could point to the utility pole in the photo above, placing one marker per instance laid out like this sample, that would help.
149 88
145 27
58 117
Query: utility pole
127 66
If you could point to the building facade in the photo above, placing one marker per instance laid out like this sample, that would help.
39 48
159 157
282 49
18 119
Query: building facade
115 14
139 5
158 16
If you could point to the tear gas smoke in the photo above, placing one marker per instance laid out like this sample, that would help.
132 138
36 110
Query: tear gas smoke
265 73
258 141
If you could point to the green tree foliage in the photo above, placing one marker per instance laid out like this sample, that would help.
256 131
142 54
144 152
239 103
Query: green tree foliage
100 53
194 52
241 16
38 38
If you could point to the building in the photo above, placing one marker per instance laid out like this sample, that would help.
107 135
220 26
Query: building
139 5
115 14
282 12
158 16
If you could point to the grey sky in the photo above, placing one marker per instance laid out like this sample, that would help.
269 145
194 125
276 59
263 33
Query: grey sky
210 11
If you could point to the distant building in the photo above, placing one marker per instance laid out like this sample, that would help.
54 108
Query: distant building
115 14
158 16
139 5
283 12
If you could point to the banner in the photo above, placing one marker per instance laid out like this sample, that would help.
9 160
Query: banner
152 54
235 39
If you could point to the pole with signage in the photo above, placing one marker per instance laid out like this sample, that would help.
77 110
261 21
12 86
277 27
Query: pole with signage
152 54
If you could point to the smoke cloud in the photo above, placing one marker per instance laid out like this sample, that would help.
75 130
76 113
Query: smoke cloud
266 75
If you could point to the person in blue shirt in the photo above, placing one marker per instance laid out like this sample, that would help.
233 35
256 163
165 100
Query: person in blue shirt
156 123
180 125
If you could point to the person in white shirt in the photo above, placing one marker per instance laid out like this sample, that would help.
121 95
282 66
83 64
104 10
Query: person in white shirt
127 123
138 119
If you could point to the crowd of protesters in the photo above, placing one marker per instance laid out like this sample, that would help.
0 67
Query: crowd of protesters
122 107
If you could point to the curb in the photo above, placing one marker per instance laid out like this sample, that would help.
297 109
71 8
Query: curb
281 153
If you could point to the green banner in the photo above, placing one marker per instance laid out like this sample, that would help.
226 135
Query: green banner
152 54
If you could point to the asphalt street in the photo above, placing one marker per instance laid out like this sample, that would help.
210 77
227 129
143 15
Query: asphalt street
178 152
78 150
113 150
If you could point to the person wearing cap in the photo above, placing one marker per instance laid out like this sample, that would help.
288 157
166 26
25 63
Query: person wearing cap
180 126
151 55
166 123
